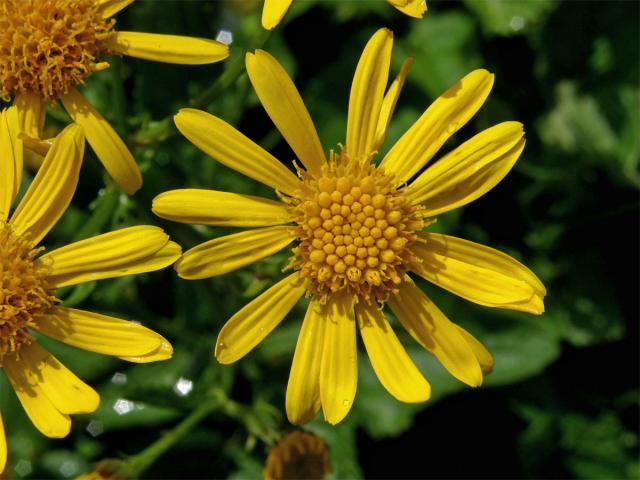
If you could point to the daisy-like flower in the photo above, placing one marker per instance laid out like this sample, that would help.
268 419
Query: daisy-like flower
297 455
48 47
358 232
274 10
48 391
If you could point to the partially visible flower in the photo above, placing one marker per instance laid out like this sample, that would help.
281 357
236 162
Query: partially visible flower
274 10
48 391
48 47
298 455
357 229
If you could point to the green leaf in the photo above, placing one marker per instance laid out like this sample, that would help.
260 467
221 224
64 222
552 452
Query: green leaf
510 17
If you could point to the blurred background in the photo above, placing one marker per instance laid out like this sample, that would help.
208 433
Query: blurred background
563 398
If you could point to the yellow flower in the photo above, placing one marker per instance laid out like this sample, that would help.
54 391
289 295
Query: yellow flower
47 390
357 229
297 455
50 46
275 10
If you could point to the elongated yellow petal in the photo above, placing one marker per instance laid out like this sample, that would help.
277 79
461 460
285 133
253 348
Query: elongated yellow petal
413 8
339 367
485 359
53 187
257 319
367 93
225 254
31 116
395 369
99 333
116 254
303 389
389 103
111 7
67 392
40 409
283 104
168 48
273 12
227 145
109 147
210 207
478 273
444 117
3 447
428 325
10 160
163 352
469 171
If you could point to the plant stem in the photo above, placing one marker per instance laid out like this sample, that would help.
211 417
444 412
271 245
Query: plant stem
138 463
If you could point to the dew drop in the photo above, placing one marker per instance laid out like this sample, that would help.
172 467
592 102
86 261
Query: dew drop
346 403
452 128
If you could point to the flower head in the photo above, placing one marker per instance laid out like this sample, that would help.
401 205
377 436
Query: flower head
297 455
51 46
357 230
48 391
275 10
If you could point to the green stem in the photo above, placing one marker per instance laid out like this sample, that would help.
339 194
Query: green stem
140 462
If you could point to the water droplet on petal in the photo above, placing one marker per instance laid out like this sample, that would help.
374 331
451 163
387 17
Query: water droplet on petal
346 403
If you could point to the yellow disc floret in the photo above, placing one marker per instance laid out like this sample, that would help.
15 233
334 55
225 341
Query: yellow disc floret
24 293
354 230
48 46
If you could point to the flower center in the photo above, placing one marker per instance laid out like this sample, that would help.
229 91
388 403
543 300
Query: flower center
49 46
24 293
354 231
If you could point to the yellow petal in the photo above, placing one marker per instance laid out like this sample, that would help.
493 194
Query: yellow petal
99 333
3 447
428 325
395 369
168 48
257 319
225 254
485 359
10 160
303 389
109 147
273 12
469 171
228 146
283 104
108 8
339 367
389 103
413 8
66 392
124 252
210 207
450 112
478 273
53 187
367 93
40 409
31 116
163 352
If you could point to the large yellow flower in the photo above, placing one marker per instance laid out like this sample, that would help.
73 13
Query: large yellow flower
47 390
50 46
275 10
357 229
